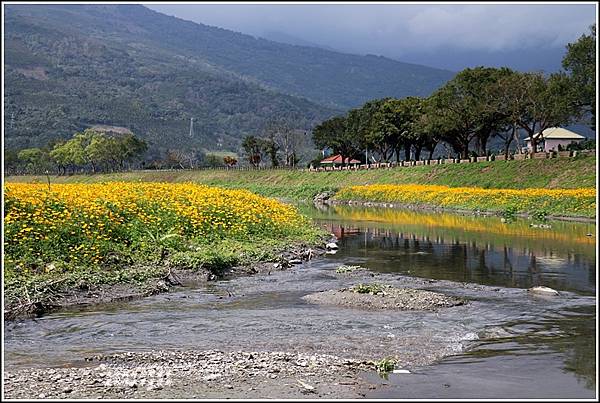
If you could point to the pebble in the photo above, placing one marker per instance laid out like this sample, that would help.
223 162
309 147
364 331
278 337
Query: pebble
541 290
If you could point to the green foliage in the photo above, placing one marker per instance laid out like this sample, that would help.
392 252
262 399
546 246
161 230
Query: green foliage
534 102
583 145
33 160
510 212
384 365
336 134
373 289
580 63
151 73
540 214
100 150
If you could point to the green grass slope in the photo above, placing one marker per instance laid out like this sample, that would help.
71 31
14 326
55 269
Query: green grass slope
568 173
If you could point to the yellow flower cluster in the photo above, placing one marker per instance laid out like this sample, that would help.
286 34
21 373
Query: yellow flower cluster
83 222
556 201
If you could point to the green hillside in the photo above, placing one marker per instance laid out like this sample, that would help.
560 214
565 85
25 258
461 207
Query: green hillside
59 80
68 67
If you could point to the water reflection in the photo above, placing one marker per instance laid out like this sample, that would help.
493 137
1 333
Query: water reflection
484 250
465 248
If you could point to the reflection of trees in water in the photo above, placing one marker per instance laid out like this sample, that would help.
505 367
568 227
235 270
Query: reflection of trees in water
449 258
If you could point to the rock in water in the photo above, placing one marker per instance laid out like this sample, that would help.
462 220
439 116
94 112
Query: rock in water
541 290
331 245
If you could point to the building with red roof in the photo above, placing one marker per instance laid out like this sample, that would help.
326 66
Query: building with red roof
337 160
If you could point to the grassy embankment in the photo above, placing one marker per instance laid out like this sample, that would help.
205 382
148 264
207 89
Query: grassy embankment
78 236
560 173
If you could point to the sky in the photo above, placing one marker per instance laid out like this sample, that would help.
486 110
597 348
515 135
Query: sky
452 36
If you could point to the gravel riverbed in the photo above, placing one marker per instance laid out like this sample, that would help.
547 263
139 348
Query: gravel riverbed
194 374
386 297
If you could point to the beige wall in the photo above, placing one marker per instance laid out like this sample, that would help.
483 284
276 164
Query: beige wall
552 144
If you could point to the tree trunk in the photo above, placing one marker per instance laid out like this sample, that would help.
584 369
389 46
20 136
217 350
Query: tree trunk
482 145
418 152
407 147
464 154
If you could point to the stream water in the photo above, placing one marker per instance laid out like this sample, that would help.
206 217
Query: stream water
505 343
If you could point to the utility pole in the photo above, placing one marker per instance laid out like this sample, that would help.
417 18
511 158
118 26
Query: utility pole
191 127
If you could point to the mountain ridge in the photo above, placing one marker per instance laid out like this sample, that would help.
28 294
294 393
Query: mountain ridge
68 66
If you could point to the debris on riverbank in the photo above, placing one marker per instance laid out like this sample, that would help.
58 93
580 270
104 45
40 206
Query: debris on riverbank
376 296
194 374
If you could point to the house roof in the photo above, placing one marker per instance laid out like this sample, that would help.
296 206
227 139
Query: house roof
337 159
558 133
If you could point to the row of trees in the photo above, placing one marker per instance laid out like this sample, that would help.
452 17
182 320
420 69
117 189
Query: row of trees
88 150
476 105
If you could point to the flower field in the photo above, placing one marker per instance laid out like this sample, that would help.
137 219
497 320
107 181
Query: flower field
571 202
84 224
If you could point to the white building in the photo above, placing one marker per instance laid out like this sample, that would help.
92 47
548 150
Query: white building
553 137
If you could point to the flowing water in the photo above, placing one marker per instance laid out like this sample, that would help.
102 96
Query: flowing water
504 343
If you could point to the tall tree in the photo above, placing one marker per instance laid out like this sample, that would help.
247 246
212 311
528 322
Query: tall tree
333 133
534 102
34 159
580 63
464 105
253 147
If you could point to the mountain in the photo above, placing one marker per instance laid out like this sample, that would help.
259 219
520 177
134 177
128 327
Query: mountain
68 67
282 37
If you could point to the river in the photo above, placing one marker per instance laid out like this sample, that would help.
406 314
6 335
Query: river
505 343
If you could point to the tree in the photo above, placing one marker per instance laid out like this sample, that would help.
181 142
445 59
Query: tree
534 102
427 127
369 128
230 162
96 149
401 118
466 105
333 133
253 147
286 139
99 150
11 161
132 148
35 159
580 64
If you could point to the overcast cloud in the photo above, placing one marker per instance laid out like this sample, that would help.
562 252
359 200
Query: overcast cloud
410 32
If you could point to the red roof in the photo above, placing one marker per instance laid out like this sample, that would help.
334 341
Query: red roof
337 159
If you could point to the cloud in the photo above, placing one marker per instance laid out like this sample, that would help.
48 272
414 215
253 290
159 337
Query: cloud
500 27
394 29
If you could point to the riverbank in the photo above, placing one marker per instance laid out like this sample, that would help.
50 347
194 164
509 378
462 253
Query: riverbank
530 176
534 202
567 173
82 244
196 375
